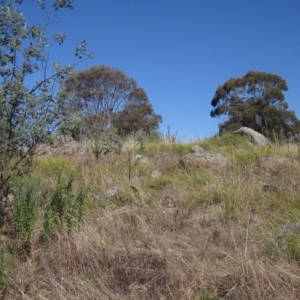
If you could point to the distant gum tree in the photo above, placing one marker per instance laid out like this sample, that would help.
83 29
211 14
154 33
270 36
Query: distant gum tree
255 100
101 97
136 115
29 110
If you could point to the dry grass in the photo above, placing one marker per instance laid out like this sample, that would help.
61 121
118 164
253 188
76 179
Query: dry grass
218 239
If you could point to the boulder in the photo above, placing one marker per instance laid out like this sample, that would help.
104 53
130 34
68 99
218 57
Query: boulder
255 137
204 159
273 160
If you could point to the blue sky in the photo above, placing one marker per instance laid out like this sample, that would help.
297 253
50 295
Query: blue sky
180 51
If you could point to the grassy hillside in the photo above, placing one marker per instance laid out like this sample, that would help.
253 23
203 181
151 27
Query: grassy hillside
196 233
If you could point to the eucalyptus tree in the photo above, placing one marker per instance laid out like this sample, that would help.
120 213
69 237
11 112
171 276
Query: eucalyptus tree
136 115
255 100
102 97
29 110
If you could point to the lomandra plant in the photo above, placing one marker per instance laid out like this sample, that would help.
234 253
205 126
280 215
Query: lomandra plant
65 208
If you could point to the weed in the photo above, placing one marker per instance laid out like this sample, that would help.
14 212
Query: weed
64 208
25 209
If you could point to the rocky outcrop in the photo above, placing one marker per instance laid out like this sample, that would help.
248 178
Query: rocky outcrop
255 137
63 146
201 158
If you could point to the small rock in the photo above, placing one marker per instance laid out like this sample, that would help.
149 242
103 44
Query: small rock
155 174
197 149
141 159
110 193
204 158
169 201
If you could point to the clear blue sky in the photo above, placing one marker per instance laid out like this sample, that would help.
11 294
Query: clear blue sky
179 51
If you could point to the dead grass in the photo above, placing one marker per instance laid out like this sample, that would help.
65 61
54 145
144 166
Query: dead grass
217 241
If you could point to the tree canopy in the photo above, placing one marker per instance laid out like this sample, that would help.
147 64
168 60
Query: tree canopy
101 97
136 115
257 101
28 105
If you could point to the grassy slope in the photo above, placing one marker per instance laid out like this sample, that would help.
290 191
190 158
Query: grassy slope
218 241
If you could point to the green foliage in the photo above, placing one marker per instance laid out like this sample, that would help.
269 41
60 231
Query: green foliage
5 265
28 112
25 209
137 115
167 148
64 209
73 126
227 138
109 141
54 166
207 295
255 101
291 246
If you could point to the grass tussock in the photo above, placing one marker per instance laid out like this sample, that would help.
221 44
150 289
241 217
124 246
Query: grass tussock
202 234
